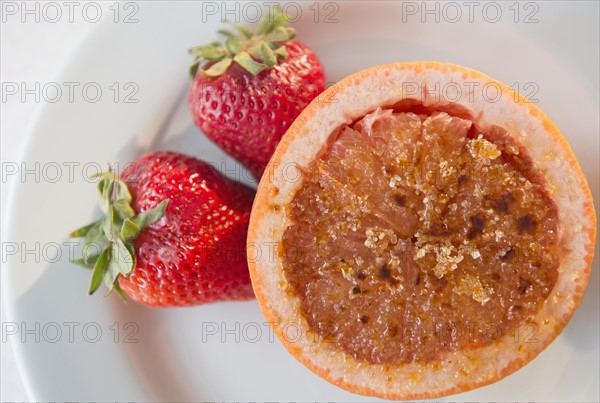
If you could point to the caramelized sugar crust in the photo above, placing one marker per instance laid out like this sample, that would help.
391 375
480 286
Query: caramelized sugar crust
417 233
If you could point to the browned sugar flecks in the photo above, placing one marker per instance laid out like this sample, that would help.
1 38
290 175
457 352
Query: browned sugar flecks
414 235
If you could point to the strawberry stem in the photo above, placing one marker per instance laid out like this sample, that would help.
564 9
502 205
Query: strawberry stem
111 238
254 51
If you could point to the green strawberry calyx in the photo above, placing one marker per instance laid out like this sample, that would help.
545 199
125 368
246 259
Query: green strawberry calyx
108 243
254 51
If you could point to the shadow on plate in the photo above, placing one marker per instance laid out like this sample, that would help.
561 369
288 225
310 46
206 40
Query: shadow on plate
153 358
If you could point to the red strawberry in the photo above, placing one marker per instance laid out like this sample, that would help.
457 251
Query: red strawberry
252 88
174 233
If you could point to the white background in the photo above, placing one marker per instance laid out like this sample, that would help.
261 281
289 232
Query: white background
30 52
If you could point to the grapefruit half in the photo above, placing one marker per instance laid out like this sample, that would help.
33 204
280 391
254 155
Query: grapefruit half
421 230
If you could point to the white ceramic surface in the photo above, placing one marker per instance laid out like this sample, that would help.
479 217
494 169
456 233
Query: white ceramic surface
224 351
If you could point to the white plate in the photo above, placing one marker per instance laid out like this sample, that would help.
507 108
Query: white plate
192 354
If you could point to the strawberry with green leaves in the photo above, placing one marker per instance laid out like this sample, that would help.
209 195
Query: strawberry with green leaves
173 233
247 92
